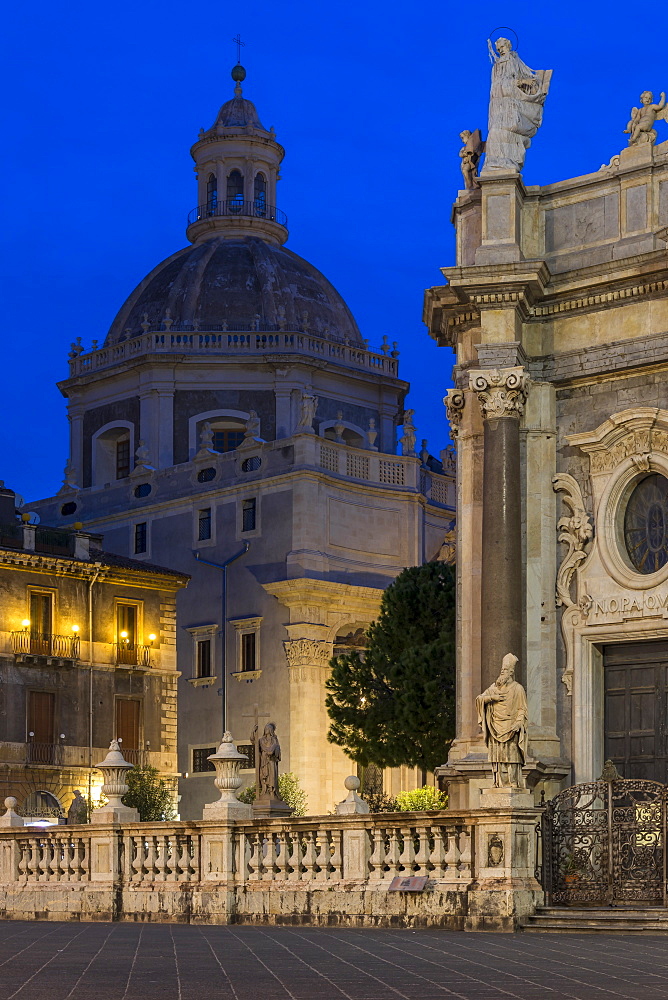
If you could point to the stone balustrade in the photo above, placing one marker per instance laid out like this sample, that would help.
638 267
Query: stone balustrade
322 869
226 343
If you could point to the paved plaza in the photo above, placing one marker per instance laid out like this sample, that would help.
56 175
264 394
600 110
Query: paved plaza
58 961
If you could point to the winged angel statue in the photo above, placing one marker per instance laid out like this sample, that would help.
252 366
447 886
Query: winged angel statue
641 127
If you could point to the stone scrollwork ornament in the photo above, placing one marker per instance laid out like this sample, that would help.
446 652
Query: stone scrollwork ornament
454 401
575 531
502 392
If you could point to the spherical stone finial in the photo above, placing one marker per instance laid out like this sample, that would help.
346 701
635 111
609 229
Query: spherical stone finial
11 802
352 783
238 73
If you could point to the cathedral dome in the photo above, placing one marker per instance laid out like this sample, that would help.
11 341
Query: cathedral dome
240 113
240 284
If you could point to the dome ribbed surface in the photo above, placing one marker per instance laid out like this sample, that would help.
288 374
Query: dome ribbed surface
236 284
239 112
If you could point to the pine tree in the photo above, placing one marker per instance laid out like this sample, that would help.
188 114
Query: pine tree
395 703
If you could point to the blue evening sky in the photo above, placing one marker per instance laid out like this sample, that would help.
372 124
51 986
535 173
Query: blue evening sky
102 105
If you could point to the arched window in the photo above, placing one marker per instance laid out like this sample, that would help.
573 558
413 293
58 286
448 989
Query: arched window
235 191
260 194
112 453
211 194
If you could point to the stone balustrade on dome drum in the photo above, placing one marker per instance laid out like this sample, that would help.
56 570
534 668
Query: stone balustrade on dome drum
261 341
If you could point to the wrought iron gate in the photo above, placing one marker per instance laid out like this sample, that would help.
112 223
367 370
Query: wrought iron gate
605 842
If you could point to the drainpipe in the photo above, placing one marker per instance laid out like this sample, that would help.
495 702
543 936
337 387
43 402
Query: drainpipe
91 584
223 627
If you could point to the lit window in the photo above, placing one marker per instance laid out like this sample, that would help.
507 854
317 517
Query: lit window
248 514
123 458
203 666
204 524
140 537
248 651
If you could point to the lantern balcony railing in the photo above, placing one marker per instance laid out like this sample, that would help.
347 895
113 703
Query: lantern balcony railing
130 654
61 647
38 752
235 208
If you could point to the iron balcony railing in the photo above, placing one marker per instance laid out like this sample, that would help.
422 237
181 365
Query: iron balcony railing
137 757
255 209
132 655
65 647
51 541
43 753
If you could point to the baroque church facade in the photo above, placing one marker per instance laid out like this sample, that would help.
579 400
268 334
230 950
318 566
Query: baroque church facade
235 426
557 307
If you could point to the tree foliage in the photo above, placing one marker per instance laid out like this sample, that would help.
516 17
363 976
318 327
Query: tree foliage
395 703
149 794
288 789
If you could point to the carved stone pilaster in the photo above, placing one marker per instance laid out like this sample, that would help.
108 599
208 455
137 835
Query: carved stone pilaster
454 401
308 652
501 392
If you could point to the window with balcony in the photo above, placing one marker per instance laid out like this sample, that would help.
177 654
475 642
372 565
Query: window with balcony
128 721
42 746
41 622
235 190
260 195
211 194
129 651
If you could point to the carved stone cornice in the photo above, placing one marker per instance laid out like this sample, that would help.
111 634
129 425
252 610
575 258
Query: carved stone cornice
448 315
501 392
454 401
308 652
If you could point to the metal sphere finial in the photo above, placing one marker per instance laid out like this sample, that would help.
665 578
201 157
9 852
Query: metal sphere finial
238 73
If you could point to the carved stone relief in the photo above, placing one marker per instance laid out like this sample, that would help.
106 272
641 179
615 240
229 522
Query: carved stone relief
501 392
454 401
308 652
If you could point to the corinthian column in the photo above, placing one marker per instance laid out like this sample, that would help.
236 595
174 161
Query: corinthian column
501 394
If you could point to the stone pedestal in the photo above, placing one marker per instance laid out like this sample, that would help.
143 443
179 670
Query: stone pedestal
505 889
11 818
267 807
352 804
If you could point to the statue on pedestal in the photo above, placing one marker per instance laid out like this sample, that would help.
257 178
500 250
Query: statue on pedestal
641 127
502 714
268 801
470 153
516 103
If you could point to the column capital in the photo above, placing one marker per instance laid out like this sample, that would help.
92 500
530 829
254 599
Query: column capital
501 392
306 652
454 401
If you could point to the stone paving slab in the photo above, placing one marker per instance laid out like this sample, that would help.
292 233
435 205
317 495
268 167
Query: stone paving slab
66 961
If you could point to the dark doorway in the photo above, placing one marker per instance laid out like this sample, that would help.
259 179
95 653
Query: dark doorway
636 687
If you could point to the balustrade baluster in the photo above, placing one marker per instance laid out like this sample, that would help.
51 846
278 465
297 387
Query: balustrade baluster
44 864
295 856
393 852
334 868
377 859
163 863
270 852
464 837
421 861
137 858
309 859
185 859
149 862
437 855
255 863
407 857
60 865
452 854
24 863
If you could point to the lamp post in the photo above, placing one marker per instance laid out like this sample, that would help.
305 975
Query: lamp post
223 627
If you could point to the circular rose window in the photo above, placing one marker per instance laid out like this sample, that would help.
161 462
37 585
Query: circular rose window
646 524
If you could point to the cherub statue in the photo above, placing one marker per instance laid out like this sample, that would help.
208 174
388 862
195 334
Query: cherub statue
641 127
470 153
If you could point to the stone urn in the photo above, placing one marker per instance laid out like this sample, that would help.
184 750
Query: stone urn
227 762
10 818
114 768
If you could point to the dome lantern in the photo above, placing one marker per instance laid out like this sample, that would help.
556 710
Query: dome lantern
237 162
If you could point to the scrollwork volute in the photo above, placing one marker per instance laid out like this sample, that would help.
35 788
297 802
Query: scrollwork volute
501 392
575 531
454 401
